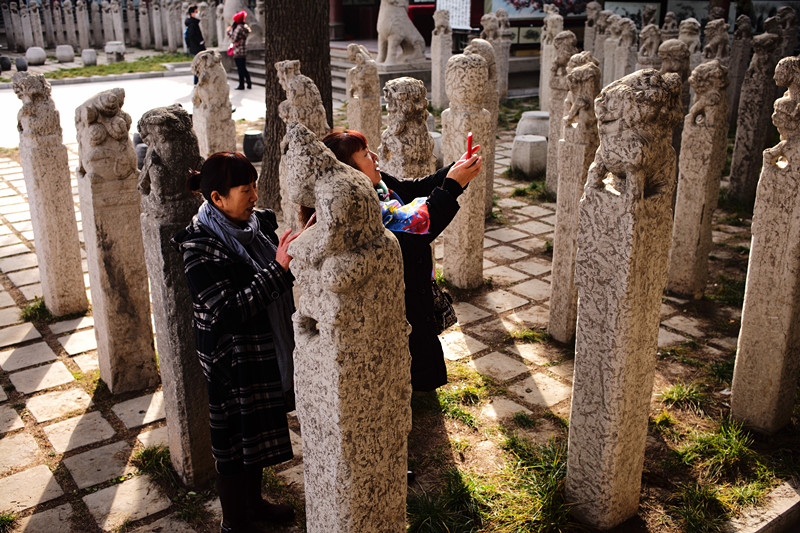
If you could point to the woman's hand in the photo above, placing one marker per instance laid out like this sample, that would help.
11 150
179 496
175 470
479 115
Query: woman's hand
282 255
466 168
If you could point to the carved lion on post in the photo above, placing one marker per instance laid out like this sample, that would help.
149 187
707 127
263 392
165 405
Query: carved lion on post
395 30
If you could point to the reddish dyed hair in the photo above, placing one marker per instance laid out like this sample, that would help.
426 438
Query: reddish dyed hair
344 143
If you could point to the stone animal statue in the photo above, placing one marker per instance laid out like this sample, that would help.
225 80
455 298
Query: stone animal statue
491 27
303 101
38 116
395 30
650 39
709 81
406 149
583 78
717 43
441 22
648 15
207 66
106 151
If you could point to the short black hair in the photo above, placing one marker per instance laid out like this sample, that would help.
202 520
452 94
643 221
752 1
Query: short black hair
191 10
221 172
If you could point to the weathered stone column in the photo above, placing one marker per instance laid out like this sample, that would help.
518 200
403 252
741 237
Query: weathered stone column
16 25
627 49
49 32
623 243
441 50
116 19
703 149
133 35
47 180
158 32
740 59
97 25
553 25
689 34
108 22
213 125
601 32
502 52
353 391
610 48
144 26
25 22
222 37
717 43
589 28
575 154
463 239
751 126
83 23
36 25
167 208
768 353
674 56
5 12
406 150
649 41
788 18
117 272
491 102
669 30
564 45
69 24
206 22
303 104
364 95
167 12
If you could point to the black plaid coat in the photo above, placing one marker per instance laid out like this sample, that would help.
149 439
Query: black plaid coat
235 346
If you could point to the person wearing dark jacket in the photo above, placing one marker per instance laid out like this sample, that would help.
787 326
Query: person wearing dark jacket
192 34
237 270
416 211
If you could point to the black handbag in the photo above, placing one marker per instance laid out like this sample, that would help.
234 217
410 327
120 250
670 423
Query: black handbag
443 313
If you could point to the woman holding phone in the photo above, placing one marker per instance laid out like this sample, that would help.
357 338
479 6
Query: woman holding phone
416 211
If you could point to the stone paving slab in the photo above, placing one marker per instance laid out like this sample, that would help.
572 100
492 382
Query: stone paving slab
534 289
456 345
18 262
16 334
57 404
534 266
533 244
79 342
533 352
501 254
72 325
53 520
10 316
6 300
297 443
294 477
468 313
511 203
564 370
499 367
131 500
25 277
536 316
31 292
41 377
3 396
154 437
503 275
667 338
168 524
87 362
28 488
25 356
685 324
540 389
16 451
535 227
101 464
79 431
9 419
499 301
506 234
499 408
142 410
14 249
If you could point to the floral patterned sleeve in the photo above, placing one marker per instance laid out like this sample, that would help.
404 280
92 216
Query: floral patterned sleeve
409 218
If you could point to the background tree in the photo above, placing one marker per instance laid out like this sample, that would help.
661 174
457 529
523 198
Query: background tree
295 29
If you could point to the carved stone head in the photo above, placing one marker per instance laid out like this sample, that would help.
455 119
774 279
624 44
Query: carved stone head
674 55
773 25
787 108
565 44
602 20
30 88
502 18
670 22
716 13
490 26
484 49
592 12
648 15
358 53
615 26
744 30
711 75
286 71
788 17
205 60
764 44
627 32
441 21
464 78
406 97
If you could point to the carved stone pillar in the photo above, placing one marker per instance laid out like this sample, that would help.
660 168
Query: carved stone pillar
553 25
8 21
601 32
649 41
83 23
564 45
406 150
97 25
589 28
117 273
36 25
133 34
144 26
69 24
689 34
627 50
364 95
213 125
741 49
623 243
610 48
158 31
441 50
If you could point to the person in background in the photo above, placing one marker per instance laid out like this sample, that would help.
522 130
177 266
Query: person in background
238 33
192 34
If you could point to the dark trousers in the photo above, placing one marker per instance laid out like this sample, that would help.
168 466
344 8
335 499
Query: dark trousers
241 68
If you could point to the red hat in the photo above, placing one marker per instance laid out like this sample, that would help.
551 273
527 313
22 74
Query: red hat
239 17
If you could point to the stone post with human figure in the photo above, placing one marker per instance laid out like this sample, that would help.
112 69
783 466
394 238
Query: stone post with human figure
624 232
590 26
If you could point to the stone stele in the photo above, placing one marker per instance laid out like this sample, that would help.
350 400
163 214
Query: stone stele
117 271
564 46
463 239
364 94
303 104
768 353
624 233
47 180
406 150
441 50
213 125
352 386
576 152
703 150
167 208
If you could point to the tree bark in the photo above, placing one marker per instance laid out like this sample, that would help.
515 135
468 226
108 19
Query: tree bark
295 29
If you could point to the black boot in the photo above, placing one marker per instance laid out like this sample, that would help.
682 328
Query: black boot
231 492
259 510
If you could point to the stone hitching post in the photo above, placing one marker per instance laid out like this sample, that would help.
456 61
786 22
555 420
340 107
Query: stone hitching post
117 272
740 59
406 150
352 386
575 154
502 52
47 180
491 103
601 32
463 239
564 46
623 242
364 95
689 33
303 104
589 27
441 50
649 40
553 25
627 50
167 208
213 125
703 147
753 120
768 353
610 48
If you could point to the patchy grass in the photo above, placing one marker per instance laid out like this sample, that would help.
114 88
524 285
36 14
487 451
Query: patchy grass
452 405
681 395
524 420
529 335
37 311
7 522
663 420
143 64
535 190
723 453
722 371
458 507
510 111
726 290
698 508
10 153
683 353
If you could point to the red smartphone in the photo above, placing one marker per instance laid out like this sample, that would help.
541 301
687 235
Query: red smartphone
469 145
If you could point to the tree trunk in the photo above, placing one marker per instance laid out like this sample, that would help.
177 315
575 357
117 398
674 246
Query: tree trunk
295 29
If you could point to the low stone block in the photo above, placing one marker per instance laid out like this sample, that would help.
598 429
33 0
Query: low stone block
65 53
437 148
529 155
534 123
21 64
5 63
35 56
115 51
89 57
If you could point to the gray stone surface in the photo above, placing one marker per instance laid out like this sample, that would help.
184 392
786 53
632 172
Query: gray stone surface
463 238
364 95
110 213
65 53
25 356
141 410
553 25
352 483
577 151
589 28
52 405
79 431
167 208
36 24
79 342
100 464
82 28
41 377
456 345
613 35
211 103
529 155
441 50
623 242
703 151
9 419
35 55
47 179
16 334
28 488
768 353
601 32
534 123
154 437
741 48
499 367
69 23
500 408
564 46
406 150
16 451
627 49
89 57
541 390
55 519
131 500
